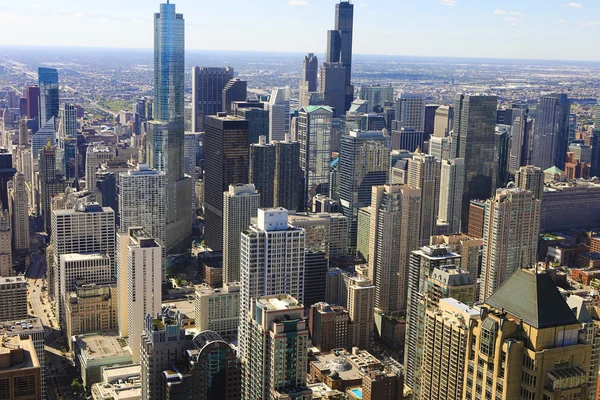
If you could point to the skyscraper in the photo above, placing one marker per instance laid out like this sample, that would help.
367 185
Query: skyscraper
410 111
314 135
288 175
308 81
394 233
424 174
94 156
551 132
452 181
279 114
49 94
474 125
207 93
364 163
165 137
333 85
258 121
520 144
33 98
271 262
235 90
5 244
276 325
262 171
68 121
139 279
531 178
240 203
20 215
225 163
50 185
510 237
7 172
443 121
377 95
339 49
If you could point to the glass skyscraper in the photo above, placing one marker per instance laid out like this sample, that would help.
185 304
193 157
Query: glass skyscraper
49 96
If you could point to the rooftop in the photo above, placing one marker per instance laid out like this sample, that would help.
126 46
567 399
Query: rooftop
84 257
97 347
274 303
21 326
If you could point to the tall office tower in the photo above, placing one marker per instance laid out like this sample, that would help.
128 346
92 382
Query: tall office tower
165 137
193 146
163 346
531 178
49 184
475 124
376 95
439 147
551 132
333 85
143 202
510 237
394 233
314 135
328 326
49 94
408 139
5 244
325 232
68 121
23 133
288 176
410 111
19 203
276 325
271 262
13 298
361 306
422 263
262 171
39 140
279 113
308 82
33 98
240 203
258 122
95 155
364 163
235 90
204 378
539 362
452 180
430 110
7 172
88 228
521 141
225 163
339 50
443 122
448 327
139 278
502 149
424 174
207 93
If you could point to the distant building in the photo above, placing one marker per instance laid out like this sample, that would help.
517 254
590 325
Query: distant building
288 186
279 114
551 132
234 90
19 208
207 93
376 95
262 170
308 81
49 94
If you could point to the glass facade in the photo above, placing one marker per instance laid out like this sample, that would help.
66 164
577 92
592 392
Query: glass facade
49 94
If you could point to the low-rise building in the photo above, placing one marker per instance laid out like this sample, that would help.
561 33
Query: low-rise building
93 352
91 308
218 309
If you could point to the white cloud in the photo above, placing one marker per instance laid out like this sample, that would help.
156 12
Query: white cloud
363 4
589 23
499 11
515 13
448 2
574 5
298 3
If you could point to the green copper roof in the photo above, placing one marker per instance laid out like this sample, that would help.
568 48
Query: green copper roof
553 170
315 108
534 299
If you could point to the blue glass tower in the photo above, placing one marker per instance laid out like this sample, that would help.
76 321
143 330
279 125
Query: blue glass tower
49 97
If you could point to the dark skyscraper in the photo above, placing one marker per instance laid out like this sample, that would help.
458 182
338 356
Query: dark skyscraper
308 82
262 170
475 125
551 132
225 163
339 50
430 110
49 94
165 140
207 93
258 122
235 90
334 87
33 98
288 175
6 174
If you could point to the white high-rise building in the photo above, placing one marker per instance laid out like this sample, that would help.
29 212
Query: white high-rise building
68 121
510 237
5 244
143 201
94 156
424 174
410 111
89 228
279 113
19 203
139 281
240 204
271 262
451 190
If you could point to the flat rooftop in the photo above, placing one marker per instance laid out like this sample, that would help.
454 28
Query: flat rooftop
113 374
97 347
29 355
84 257
21 326
278 303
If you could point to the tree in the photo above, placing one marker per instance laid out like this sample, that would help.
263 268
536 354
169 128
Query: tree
76 386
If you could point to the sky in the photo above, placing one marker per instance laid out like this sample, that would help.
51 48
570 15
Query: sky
536 29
